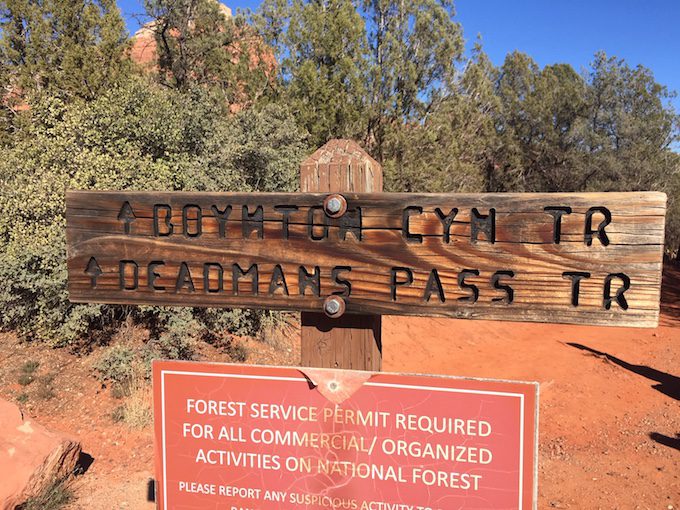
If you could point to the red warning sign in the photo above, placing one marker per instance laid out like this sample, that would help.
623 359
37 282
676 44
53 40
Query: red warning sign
254 437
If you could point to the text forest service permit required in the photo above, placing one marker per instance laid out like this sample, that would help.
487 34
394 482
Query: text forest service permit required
255 437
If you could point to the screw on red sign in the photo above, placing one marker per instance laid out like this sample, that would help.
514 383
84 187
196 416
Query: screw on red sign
255 437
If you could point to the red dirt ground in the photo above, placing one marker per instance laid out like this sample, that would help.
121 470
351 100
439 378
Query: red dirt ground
609 403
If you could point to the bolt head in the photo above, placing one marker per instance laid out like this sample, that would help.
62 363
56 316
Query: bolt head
332 306
334 205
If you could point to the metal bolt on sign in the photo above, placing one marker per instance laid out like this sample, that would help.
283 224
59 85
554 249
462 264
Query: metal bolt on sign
335 205
334 306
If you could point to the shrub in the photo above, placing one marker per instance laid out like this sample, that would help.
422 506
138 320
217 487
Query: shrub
137 136
119 391
116 364
118 414
25 379
237 352
45 389
136 408
30 366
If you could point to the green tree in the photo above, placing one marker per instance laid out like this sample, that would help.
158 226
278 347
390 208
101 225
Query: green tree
541 123
369 70
632 127
200 43
414 48
452 149
609 130
66 48
322 47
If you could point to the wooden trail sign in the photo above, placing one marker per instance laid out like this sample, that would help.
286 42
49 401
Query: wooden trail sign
592 258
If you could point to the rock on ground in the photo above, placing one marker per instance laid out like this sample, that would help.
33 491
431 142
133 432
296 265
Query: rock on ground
31 457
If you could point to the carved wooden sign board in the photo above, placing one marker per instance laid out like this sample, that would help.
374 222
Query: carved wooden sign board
593 258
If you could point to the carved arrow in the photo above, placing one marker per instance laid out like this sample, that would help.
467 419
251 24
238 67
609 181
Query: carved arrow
93 271
126 215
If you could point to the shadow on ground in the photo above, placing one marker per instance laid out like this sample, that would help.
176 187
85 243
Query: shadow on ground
151 491
671 442
85 460
669 384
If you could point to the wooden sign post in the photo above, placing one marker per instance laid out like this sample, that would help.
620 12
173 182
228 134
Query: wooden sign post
353 341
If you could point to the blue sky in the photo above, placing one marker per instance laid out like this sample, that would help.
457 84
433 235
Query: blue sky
643 32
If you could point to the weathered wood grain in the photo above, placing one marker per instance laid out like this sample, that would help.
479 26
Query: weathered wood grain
524 244
353 341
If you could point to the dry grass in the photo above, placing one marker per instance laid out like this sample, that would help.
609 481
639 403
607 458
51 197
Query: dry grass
135 411
27 372
275 331
55 496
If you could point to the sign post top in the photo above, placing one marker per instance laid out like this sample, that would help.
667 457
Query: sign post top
338 151
341 166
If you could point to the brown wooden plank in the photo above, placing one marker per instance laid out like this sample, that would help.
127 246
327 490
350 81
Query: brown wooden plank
524 244
353 341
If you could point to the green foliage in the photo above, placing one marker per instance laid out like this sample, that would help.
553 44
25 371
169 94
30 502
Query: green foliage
30 366
414 48
27 372
363 70
180 329
256 150
116 364
137 136
607 131
70 49
323 52
447 151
